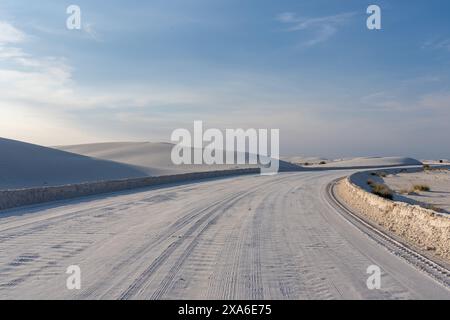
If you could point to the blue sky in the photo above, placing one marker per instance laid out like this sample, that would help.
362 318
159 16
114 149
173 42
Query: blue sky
139 69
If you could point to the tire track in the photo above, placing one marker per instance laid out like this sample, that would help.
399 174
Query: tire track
436 271
157 263
211 215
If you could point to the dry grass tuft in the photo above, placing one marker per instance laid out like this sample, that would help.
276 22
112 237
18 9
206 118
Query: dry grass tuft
421 187
382 191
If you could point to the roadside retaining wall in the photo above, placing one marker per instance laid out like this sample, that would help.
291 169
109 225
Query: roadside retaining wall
424 228
22 197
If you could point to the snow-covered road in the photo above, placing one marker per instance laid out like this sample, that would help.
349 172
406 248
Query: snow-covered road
247 237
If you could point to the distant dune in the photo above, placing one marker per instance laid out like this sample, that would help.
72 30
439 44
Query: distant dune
303 160
28 165
149 157
24 165
153 158
374 162
353 162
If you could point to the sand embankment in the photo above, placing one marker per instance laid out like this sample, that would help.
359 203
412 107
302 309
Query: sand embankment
424 229
22 197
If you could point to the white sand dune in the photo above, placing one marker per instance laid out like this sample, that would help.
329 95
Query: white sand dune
152 158
373 162
24 165
352 162
148 156
143 154
302 160
27 165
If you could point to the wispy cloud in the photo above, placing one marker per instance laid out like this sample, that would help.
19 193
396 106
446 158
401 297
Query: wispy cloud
10 39
10 34
88 28
438 101
39 97
323 28
384 101
437 44
87 31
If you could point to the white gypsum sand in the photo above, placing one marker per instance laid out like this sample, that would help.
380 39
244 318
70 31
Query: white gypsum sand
249 237
25 165
407 187
352 162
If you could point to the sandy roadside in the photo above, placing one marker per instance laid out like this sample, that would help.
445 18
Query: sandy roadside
421 228
429 188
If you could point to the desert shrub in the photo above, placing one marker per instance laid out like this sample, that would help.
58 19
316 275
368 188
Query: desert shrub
433 207
421 187
426 167
380 174
382 191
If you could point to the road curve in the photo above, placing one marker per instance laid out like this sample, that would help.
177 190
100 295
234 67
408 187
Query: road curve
248 237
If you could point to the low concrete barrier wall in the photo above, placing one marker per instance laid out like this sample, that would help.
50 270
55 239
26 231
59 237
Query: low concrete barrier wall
424 228
22 197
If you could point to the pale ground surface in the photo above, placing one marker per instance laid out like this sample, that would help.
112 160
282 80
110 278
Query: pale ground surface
249 237
437 162
354 162
373 162
302 160
437 180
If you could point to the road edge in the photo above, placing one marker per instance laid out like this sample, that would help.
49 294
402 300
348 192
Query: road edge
433 269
